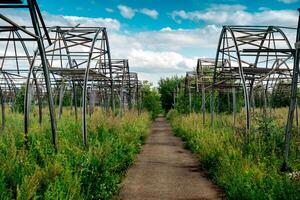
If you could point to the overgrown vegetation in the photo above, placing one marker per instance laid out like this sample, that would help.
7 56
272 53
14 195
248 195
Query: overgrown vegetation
175 96
280 97
166 89
244 169
151 99
73 172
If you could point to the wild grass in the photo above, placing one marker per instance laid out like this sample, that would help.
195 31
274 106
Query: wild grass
73 172
245 169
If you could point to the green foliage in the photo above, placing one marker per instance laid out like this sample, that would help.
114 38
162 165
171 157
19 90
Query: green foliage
19 100
244 170
151 99
182 103
224 101
166 89
73 172
185 102
68 96
281 95
172 114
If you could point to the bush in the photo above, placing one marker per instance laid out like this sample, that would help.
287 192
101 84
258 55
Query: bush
151 100
244 170
73 172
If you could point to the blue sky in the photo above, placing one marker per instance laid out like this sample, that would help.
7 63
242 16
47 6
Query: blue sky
141 22
165 37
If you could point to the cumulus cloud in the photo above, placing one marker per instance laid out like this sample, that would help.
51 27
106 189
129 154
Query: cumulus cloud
168 61
129 13
179 39
109 10
23 18
151 13
167 52
126 11
288 1
153 65
237 15
150 58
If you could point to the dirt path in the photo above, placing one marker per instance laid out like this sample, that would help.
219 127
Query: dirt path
165 170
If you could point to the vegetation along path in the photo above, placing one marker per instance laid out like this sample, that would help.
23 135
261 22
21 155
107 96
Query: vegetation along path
165 170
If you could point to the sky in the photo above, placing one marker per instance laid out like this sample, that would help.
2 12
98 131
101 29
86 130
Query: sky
163 38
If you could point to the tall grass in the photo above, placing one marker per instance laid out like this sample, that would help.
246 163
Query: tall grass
73 172
245 169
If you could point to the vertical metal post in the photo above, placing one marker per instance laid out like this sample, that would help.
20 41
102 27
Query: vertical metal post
297 120
85 89
30 95
2 108
129 94
214 78
203 104
92 101
234 106
289 123
38 93
74 99
112 96
35 23
190 98
253 101
265 100
105 100
212 110
61 98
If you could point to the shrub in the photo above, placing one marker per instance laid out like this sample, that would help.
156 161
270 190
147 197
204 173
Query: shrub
73 172
244 170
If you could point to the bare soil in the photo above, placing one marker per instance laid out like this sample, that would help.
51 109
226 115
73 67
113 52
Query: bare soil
165 170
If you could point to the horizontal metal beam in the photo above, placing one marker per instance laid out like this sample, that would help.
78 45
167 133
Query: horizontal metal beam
13 6
268 50
11 2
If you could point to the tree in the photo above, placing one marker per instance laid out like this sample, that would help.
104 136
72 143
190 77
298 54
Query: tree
151 99
166 89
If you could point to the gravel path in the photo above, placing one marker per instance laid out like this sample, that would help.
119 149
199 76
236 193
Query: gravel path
165 170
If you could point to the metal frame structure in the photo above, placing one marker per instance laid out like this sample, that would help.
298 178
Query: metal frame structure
190 86
252 56
66 58
201 81
293 102
36 36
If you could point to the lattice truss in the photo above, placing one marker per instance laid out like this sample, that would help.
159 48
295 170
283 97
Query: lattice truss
249 58
255 57
48 61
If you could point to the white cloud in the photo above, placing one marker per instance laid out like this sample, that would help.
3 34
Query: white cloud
159 62
22 18
237 15
166 29
166 52
151 13
109 10
177 40
85 21
129 13
288 1
126 11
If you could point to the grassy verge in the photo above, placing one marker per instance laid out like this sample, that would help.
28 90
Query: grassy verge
38 172
245 170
